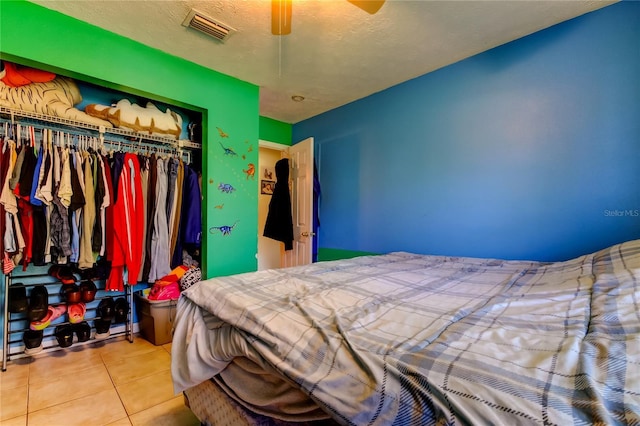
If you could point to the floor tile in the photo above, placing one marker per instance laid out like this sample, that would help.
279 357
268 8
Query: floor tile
63 362
68 387
16 421
122 422
17 374
136 367
116 350
170 413
100 408
13 402
146 392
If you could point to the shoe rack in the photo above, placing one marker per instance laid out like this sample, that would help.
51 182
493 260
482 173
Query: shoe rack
16 324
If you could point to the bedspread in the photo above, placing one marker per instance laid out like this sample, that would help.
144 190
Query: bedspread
413 339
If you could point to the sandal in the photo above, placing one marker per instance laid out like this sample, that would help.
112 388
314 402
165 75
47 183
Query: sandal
76 312
53 313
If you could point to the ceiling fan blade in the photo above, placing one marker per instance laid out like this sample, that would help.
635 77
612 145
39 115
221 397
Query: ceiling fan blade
281 17
369 6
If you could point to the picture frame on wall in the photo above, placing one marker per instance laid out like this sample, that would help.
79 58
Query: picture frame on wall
269 173
266 186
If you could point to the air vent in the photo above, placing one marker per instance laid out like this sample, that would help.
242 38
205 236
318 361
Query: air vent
201 22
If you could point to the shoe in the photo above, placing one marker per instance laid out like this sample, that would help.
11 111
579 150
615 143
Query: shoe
32 341
53 313
70 294
18 302
54 270
88 291
105 309
102 328
38 303
76 312
83 331
64 335
121 308
62 272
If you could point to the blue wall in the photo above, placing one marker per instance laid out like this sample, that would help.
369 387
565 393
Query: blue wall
529 150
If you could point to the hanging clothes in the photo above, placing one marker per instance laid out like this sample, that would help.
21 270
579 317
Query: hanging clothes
279 224
7 160
127 216
77 206
174 218
25 208
99 200
191 209
109 200
86 258
151 210
144 171
160 255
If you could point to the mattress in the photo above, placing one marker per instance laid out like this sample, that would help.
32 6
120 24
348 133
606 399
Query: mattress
406 339
213 407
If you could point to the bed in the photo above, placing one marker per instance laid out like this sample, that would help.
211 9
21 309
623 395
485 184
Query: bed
409 339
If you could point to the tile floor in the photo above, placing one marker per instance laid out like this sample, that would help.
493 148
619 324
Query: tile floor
112 382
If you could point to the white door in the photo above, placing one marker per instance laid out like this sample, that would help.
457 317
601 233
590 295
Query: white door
301 185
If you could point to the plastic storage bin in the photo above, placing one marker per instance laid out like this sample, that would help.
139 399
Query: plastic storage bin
155 318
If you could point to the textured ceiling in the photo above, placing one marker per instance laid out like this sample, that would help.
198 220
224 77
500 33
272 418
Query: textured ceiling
336 52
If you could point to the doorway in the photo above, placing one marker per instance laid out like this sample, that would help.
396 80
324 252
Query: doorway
269 251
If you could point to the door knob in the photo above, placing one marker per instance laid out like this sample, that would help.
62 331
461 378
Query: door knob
307 234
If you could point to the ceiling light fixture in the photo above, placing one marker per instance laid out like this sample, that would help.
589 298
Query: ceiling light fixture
297 98
211 27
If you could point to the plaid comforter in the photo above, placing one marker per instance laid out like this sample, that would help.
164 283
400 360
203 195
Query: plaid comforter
412 339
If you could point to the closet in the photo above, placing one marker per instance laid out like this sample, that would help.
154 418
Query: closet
137 189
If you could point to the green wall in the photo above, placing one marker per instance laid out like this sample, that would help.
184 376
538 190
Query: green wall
275 131
36 36
325 254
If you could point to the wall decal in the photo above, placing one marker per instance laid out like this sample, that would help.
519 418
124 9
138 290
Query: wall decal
228 151
219 206
222 134
226 188
224 230
251 171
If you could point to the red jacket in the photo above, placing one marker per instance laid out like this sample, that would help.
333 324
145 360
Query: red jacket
127 216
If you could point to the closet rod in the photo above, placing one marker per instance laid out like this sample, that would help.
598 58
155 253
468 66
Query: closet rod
12 113
138 146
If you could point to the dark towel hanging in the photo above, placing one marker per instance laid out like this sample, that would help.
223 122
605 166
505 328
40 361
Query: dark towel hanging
279 224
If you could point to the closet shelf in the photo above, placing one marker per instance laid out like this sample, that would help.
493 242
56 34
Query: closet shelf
176 143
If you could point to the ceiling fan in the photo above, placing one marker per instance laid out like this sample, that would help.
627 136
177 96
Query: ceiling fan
281 13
